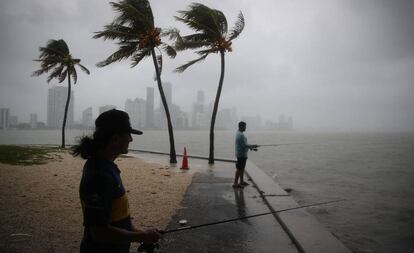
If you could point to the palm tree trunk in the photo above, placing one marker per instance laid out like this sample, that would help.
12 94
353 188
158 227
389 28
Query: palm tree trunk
66 112
215 108
173 155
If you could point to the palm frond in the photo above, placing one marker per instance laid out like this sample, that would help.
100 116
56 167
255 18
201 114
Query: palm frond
192 41
126 50
74 75
197 26
182 68
169 50
238 27
39 72
137 57
171 33
202 18
50 63
206 51
136 13
56 73
57 48
219 21
84 69
116 31
62 76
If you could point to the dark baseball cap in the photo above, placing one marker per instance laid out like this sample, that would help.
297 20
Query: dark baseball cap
115 121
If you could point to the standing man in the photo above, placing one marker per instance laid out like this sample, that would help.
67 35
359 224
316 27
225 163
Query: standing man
242 147
106 216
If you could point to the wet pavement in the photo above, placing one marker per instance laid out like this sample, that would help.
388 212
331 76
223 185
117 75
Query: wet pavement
211 198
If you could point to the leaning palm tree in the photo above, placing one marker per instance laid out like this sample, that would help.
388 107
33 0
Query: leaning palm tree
211 36
138 38
56 58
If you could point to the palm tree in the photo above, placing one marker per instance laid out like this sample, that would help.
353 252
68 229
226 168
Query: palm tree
211 36
137 39
56 57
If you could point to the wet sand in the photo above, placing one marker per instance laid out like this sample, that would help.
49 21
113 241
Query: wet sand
40 209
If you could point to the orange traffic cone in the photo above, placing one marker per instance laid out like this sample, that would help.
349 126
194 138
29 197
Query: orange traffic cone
184 166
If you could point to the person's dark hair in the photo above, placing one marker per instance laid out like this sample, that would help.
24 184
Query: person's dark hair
242 124
88 147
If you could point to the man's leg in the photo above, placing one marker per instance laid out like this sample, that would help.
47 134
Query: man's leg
237 176
242 183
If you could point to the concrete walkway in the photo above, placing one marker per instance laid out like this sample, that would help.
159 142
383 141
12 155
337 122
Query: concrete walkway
211 198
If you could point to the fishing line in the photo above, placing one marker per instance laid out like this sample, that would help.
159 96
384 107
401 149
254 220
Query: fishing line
247 217
151 247
280 144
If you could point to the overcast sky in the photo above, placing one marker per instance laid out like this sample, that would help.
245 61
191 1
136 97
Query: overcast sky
330 64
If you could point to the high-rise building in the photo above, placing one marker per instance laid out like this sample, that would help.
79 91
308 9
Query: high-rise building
290 123
4 118
33 120
182 121
87 118
149 108
13 121
200 97
227 119
56 101
198 111
106 108
136 110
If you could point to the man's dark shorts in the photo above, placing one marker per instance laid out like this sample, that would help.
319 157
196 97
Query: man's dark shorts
241 163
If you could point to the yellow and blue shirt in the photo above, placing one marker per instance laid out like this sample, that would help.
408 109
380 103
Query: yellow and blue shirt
104 202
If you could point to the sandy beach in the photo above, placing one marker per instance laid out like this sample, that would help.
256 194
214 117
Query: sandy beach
40 209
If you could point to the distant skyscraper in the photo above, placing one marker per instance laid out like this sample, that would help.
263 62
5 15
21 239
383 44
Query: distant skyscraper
182 121
136 110
56 101
149 108
4 118
33 120
227 119
290 123
87 118
198 110
13 121
200 97
106 108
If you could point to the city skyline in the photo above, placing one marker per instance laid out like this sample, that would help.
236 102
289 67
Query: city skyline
140 110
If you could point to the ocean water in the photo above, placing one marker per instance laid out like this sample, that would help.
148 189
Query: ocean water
373 171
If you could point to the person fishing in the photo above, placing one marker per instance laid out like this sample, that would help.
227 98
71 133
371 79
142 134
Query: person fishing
106 215
242 147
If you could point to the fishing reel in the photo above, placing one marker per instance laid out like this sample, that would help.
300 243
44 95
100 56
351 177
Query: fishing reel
148 247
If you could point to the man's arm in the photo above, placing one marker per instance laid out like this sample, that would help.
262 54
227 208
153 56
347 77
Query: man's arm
246 144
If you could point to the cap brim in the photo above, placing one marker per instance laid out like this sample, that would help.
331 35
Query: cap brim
135 131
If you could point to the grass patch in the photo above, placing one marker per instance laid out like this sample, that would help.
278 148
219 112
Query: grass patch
27 155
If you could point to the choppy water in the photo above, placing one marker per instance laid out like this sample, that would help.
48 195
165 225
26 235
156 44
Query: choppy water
374 171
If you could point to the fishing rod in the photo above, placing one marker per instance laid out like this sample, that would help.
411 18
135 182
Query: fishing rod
151 247
247 217
275 145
